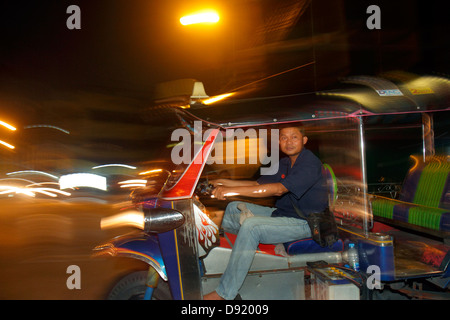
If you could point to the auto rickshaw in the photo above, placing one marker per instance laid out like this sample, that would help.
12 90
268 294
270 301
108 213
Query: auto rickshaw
384 143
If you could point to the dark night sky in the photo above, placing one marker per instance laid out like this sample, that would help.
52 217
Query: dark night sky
125 47
134 44
121 44
95 82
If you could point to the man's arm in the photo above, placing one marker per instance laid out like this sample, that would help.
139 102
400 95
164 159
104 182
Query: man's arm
233 183
253 191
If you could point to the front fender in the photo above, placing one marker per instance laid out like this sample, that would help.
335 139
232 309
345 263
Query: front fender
139 245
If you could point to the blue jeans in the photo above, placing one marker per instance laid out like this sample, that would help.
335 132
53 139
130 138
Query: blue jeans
262 228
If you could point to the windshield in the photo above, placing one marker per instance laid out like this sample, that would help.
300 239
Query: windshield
190 146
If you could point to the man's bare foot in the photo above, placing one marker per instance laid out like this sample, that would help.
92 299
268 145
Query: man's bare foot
212 296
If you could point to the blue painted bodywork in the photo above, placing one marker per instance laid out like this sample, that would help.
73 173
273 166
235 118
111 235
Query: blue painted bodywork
381 256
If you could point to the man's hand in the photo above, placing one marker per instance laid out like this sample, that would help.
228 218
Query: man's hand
219 192
217 182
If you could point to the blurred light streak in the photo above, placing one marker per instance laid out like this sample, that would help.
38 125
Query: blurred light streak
217 98
40 183
7 125
151 171
132 183
416 162
115 165
274 75
208 16
6 144
51 190
83 180
32 191
35 190
140 181
20 179
17 190
128 218
46 126
33 172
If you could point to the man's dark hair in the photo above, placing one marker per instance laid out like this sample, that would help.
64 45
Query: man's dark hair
297 125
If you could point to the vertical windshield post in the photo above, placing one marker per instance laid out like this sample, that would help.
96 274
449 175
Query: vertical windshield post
367 224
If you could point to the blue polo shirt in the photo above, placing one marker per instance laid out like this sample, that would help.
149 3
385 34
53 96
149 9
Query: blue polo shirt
305 182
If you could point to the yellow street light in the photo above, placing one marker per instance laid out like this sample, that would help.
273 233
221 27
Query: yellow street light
209 16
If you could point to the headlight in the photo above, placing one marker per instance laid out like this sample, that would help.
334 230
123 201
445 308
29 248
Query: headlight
129 218
159 220
152 220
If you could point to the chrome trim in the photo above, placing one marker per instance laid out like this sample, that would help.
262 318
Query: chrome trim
159 220
111 250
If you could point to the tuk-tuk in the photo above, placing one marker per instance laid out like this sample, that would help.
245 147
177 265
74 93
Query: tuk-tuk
384 144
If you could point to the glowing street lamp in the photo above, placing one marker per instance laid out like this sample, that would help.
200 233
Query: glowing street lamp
200 17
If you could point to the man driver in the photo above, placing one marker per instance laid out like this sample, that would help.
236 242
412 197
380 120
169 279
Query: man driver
299 179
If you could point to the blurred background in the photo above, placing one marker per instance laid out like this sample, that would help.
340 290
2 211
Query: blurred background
84 101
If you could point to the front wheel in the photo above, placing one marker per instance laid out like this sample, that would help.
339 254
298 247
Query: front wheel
132 287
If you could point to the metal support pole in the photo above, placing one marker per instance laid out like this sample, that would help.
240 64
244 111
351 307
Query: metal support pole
364 179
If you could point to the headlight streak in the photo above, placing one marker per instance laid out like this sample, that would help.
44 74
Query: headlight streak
151 171
32 191
134 183
83 180
6 144
155 220
33 172
131 218
7 125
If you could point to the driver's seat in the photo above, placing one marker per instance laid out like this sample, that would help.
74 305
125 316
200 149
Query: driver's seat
308 245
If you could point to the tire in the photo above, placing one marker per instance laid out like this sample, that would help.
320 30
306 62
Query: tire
132 287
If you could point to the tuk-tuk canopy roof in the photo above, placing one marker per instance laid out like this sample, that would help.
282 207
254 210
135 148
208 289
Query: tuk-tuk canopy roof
354 96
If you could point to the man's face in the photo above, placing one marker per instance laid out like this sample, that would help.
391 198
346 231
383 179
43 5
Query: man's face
292 141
